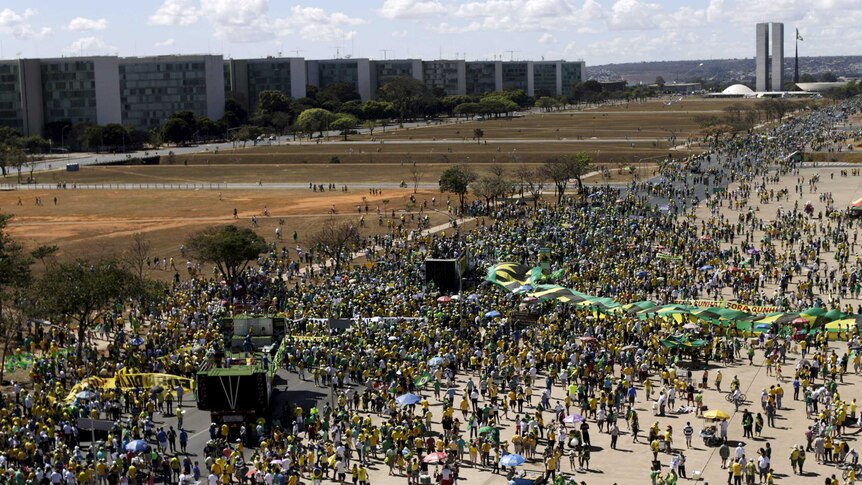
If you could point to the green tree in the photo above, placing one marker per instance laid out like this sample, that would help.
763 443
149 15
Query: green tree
344 123
273 101
15 277
478 134
457 179
83 290
377 110
410 97
229 248
176 131
234 114
314 119
579 165
114 135
370 125
659 81
92 136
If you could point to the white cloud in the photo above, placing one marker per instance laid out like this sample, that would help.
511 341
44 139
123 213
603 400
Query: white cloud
81 23
18 25
400 34
411 9
165 43
316 24
634 15
547 38
89 45
175 12
239 20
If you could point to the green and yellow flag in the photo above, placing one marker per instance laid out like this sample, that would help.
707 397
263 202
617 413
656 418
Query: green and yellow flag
512 275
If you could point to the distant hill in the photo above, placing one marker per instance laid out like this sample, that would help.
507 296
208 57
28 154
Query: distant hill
720 71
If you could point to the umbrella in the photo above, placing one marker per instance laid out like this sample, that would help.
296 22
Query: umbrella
762 326
137 446
444 299
715 414
136 341
86 395
392 338
486 429
512 459
641 274
407 399
706 238
435 361
691 326
492 314
436 457
276 462
587 339
574 418
523 289
707 267
799 320
156 389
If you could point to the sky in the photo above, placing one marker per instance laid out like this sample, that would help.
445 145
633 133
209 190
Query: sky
596 31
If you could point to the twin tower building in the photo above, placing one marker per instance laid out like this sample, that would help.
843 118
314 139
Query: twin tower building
769 68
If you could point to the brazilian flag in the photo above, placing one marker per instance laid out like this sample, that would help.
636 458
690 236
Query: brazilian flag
555 292
512 275
423 379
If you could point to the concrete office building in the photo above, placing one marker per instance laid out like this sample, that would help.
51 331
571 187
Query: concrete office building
245 79
355 72
153 88
776 69
11 103
450 76
36 92
483 77
547 78
769 63
142 92
384 71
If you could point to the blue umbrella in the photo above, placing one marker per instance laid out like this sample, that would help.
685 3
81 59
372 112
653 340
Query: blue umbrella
512 459
435 361
492 314
138 446
407 399
523 289
763 326
136 341
707 267
641 274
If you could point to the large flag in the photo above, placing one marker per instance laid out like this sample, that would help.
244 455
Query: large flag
512 275
554 292
798 37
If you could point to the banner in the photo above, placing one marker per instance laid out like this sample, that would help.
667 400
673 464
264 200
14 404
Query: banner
731 305
129 380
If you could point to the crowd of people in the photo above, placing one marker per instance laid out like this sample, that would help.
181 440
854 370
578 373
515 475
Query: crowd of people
488 391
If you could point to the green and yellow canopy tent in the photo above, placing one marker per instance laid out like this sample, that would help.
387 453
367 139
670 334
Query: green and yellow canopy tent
856 205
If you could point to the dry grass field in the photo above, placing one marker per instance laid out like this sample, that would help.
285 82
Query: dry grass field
92 223
87 223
